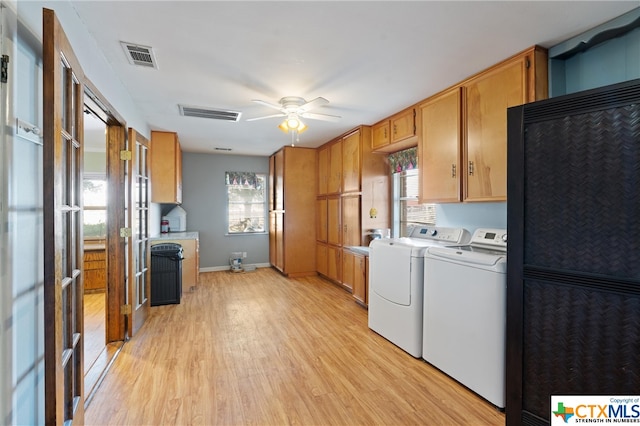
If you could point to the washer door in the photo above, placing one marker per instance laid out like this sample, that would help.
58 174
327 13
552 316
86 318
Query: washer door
390 272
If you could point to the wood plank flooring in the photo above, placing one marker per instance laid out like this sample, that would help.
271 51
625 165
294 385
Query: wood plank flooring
94 328
97 354
259 348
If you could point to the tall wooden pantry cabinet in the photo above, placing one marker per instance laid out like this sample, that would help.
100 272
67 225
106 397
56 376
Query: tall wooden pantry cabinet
353 183
292 211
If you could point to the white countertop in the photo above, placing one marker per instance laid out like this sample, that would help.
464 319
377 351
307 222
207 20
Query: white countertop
176 236
364 250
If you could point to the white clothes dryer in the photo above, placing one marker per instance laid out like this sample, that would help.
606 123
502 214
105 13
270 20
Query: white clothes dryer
465 293
396 272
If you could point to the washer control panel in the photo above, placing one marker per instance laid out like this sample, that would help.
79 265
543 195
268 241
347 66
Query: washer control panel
445 235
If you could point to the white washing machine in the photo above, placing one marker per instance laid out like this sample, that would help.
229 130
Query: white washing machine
465 312
396 271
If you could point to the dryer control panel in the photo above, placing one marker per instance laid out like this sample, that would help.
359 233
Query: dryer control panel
496 238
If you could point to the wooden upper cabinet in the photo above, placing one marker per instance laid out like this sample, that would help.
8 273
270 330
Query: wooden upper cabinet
166 168
463 144
380 136
323 170
439 149
351 162
487 98
403 125
334 184
396 133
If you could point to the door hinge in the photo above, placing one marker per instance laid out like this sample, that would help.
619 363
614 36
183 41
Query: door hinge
527 63
125 232
125 155
4 68
125 310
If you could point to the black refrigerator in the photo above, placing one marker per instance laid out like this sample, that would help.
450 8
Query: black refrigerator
573 214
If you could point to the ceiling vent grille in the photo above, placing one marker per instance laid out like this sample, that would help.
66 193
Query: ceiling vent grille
214 114
139 55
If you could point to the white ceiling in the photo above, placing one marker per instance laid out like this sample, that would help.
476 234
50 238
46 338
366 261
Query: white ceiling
369 59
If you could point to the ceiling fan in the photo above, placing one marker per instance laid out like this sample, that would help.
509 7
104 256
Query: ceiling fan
294 108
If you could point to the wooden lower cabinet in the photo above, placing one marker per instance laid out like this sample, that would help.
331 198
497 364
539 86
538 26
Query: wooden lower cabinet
321 259
355 275
347 269
361 279
95 269
334 263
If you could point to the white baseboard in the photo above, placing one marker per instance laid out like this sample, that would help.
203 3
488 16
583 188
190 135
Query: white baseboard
226 268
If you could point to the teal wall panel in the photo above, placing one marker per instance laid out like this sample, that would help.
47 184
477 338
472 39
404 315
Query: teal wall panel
605 55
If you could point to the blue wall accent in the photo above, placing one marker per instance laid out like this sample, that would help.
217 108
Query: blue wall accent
607 54
205 201
472 215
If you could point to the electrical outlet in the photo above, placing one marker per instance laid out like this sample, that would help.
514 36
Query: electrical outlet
244 254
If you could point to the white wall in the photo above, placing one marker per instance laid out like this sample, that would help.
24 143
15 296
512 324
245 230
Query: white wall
21 237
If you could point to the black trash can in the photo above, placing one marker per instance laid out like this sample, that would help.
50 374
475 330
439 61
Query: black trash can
166 274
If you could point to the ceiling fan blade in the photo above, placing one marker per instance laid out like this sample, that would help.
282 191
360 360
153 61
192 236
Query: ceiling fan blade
265 103
324 117
266 116
317 102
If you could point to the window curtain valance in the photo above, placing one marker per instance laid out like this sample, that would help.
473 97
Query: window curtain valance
246 179
403 160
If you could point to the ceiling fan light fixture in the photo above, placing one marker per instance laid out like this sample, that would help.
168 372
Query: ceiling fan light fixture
292 124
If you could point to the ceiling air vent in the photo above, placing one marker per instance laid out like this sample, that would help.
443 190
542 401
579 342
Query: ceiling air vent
139 55
214 114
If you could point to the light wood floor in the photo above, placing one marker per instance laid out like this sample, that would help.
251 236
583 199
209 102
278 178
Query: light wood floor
94 328
258 348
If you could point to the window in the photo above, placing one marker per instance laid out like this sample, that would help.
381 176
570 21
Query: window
95 205
407 211
246 203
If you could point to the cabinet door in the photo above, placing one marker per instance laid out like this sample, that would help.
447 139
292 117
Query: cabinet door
335 168
321 259
403 125
347 269
166 168
178 166
380 135
351 163
272 239
334 263
321 219
279 241
359 279
487 100
334 221
351 221
323 165
278 181
439 156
